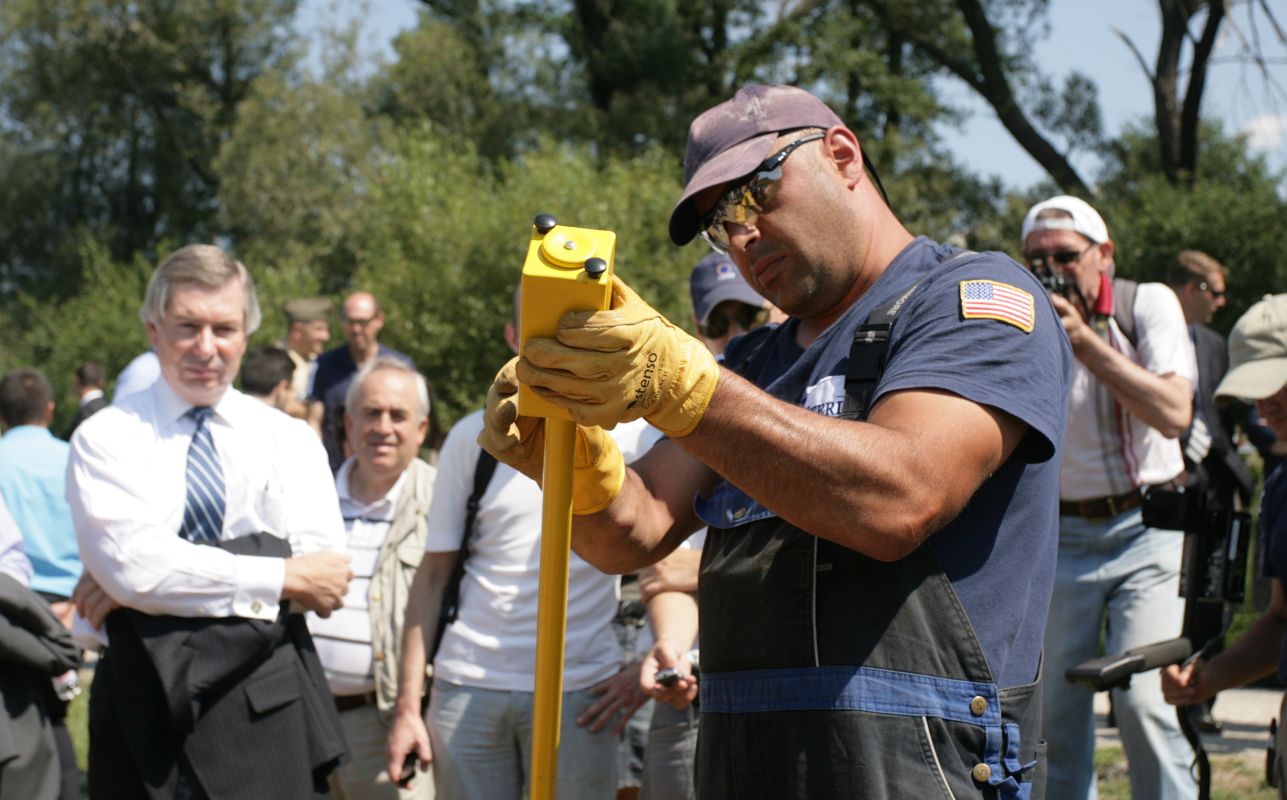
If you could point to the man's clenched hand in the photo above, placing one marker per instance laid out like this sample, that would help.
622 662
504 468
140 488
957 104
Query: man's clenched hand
613 366
318 581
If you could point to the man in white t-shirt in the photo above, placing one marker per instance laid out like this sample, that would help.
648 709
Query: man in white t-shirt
479 722
384 492
1130 400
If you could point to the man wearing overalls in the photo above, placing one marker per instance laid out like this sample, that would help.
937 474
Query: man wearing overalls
879 473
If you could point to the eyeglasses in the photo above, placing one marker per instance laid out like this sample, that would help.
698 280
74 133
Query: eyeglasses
747 317
1203 286
742 203
1064 258
359 323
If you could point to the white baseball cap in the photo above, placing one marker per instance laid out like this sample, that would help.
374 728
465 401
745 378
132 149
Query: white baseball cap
1081 219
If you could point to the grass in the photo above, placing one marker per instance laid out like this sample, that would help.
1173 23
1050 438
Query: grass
1233 777
78 727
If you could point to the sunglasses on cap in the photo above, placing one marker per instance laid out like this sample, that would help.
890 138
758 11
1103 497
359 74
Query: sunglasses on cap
1203 286
1063 258
747 317
744 201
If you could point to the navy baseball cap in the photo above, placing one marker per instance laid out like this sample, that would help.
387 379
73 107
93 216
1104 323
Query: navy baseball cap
730 140
715 280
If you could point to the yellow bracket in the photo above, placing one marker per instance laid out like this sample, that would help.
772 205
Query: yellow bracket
567 269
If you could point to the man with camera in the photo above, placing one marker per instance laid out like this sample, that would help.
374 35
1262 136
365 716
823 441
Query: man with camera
1131 398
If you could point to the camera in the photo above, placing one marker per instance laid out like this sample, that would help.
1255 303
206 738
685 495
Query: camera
1056 283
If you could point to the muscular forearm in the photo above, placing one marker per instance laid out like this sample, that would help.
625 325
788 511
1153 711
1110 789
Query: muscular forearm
881 487
1163 402
637 529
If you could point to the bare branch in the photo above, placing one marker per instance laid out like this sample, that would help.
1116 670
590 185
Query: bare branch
1273 21
1148 73
1190 113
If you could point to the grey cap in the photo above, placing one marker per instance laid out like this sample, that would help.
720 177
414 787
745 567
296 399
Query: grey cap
715 280
1257 351
307 309
730 140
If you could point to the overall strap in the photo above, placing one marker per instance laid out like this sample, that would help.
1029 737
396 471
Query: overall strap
450 604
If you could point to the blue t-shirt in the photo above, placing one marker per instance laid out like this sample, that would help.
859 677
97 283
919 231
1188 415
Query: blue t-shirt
33 482
1273 528
335 371
999 553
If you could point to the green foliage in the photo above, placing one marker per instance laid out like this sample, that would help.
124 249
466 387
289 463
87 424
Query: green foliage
113 113
295 174
446 240
100 324
1234 212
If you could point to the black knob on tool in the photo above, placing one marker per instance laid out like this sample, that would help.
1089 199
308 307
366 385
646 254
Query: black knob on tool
594 267
544 223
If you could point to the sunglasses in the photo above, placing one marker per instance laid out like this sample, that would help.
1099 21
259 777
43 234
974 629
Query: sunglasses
742 203
1203 286
1064 258
747 317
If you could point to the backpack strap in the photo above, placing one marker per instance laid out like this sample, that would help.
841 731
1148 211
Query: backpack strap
1124 307
450 604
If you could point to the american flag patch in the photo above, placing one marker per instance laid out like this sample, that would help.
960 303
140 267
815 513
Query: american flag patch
982 299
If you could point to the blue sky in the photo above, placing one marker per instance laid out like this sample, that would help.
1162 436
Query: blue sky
1081 37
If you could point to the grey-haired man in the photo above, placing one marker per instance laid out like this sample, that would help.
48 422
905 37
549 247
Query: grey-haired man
878 472
203 516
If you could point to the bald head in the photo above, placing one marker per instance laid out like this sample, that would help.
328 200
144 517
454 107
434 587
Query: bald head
363 321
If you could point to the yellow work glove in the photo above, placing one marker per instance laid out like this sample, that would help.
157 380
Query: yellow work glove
598 469
619 365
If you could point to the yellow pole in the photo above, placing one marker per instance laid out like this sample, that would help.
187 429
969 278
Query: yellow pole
567 269
551 620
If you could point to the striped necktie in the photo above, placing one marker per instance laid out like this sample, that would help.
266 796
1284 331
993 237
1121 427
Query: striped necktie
203 510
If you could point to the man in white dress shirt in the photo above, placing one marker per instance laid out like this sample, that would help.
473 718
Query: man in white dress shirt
191 462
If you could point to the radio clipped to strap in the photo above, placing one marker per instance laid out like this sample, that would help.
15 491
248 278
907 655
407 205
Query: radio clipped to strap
867 357
869 349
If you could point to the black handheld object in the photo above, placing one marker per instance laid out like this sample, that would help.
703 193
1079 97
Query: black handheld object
1115 671
408 769
668 677
1055 282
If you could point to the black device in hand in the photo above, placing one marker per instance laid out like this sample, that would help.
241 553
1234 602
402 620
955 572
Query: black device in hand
408 769
668 677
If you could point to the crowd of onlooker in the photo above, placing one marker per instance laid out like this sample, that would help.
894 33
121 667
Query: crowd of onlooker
341 602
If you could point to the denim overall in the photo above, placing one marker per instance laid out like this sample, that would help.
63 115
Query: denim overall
829 674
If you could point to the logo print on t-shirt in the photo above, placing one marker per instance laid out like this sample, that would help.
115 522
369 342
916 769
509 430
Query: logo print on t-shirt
827 396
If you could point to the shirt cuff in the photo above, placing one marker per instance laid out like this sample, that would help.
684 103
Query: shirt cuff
259 587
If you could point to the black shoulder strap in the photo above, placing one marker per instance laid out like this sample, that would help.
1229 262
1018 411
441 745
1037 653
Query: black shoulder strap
1124 307
483 472
867 353
867 356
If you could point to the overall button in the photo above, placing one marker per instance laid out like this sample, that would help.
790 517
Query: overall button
981 773
978 706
